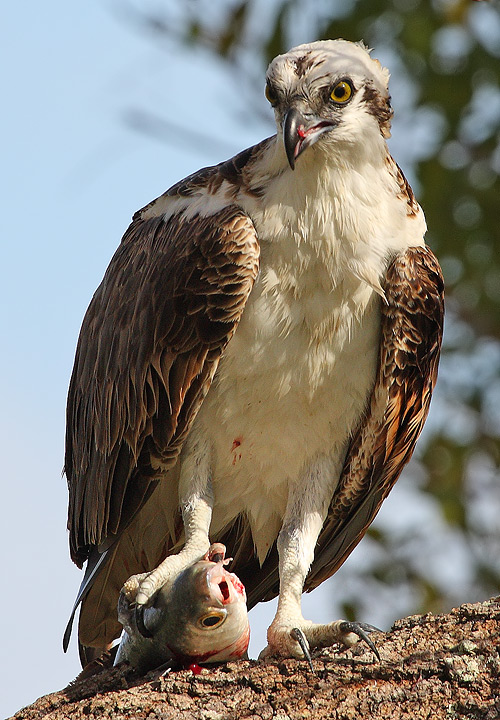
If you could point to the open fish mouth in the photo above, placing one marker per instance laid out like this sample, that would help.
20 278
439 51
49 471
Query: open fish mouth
225 591
225 587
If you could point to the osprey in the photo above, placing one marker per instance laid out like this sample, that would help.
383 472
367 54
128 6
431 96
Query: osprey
258 361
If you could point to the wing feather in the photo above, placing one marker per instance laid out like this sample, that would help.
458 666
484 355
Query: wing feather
148 349
411 333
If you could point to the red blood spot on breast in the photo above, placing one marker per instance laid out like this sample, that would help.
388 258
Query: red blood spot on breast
195 668
236 443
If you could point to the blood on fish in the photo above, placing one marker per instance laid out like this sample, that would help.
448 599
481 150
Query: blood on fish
241 646
168 641
238 585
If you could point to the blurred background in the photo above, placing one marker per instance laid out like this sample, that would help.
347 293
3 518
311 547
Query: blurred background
109 103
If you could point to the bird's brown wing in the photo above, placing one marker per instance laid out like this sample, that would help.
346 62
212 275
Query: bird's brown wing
148 349
410 341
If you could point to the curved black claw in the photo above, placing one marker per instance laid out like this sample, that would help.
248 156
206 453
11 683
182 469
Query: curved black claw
139 621
299 636
361 630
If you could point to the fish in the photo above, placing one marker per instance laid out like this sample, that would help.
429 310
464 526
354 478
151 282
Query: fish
199 617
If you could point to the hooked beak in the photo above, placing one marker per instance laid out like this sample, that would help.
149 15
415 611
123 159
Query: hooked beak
300 131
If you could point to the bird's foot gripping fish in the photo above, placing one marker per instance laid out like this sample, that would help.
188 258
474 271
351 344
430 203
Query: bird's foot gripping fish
198 617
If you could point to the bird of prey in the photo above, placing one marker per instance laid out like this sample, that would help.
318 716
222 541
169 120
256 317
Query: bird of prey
258 361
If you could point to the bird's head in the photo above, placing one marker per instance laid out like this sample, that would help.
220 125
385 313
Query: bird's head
328 92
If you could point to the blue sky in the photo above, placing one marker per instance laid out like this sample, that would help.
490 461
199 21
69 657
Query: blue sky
73 174
72 177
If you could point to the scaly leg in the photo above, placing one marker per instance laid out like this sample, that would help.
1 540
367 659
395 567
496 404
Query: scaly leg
290 635
196 501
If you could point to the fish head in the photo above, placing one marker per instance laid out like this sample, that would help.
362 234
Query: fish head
203 614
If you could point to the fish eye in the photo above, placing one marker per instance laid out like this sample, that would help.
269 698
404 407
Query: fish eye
212 620
341 92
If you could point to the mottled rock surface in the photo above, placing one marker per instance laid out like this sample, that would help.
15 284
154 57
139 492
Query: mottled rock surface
445 666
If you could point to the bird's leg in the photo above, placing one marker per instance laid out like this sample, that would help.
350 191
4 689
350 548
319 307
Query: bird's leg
290 635
196 501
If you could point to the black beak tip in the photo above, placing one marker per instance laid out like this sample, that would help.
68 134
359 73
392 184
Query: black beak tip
292 121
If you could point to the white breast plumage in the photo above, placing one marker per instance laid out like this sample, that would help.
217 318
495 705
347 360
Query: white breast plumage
295 378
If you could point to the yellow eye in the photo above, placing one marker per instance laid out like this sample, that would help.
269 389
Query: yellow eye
271 95
342 92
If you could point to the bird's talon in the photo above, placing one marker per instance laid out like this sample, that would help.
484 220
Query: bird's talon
142 598
361 630
139 621
369 628
298 635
